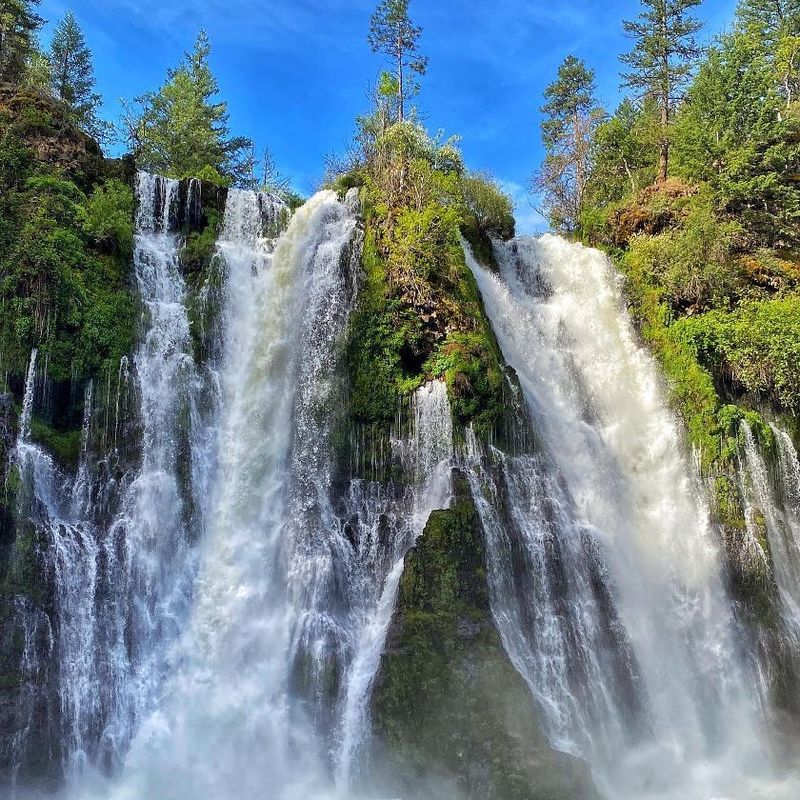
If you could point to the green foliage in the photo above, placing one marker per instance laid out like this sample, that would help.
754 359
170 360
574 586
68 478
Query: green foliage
737 133
419 317
569 124
624 155
470 365
487 208
63 267
200 245
19 23
38 73
757 345
182 130
424 250
662 58
692 263
72 76
107 217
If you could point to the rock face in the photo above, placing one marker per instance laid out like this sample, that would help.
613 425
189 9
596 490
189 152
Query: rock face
52 137
452 717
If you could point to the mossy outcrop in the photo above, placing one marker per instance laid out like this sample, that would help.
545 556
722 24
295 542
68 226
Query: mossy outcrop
452 716
43 123
420 317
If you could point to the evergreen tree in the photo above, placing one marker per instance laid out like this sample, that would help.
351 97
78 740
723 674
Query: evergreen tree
182 130
392 33
769 19
571 117
624 153
72 75
271 179
661 60
736 133
18 25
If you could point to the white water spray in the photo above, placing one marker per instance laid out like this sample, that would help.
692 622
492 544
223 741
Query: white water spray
616 616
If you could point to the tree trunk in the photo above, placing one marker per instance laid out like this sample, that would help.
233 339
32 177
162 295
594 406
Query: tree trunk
400 96
579 174
663 157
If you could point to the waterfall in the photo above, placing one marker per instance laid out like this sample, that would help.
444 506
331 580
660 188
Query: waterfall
772 516
222 593
113 546
604 569
378 560
228 725
147 566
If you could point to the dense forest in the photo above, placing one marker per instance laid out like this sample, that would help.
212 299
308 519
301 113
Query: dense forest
362 495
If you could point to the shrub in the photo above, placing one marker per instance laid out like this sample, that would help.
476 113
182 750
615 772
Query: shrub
487 207
758 345
107 217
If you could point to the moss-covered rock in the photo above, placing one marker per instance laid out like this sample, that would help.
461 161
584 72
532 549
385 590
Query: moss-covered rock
452 717
44 126
420 317
65 282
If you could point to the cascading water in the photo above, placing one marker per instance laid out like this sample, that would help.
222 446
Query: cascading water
294 586
228 726
604 570
121 578
148 562
386 529
772 515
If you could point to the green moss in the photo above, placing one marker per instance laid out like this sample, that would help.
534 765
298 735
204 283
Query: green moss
420 316
447 698
23 574
64 445
481 246
470 366
10 489
200 246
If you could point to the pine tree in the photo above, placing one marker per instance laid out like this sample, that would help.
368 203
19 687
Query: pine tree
570 120
392 33
72 75
182 130
272 180
18 25
769 19
662 58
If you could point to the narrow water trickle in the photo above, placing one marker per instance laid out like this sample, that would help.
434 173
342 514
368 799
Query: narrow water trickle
427 454
772 515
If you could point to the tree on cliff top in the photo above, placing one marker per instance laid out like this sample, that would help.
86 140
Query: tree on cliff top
72 75
571 117
18 26
182 130
391 32
661 60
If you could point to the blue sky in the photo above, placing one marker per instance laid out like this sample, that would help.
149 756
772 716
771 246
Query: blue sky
295 72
